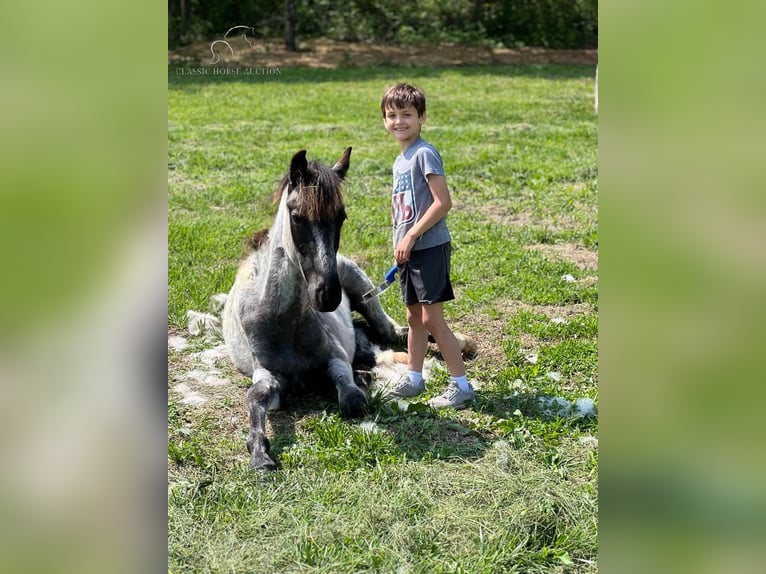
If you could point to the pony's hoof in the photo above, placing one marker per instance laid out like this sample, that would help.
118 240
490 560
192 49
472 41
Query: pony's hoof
467 346
263 462
353 404
258 447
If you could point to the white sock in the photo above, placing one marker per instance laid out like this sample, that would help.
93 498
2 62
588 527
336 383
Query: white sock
416 378
461 382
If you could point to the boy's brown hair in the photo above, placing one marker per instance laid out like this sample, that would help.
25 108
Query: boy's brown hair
402 95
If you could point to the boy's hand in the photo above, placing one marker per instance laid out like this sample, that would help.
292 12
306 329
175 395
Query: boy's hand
403 249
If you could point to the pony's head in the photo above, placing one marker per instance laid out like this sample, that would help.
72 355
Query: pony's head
312 198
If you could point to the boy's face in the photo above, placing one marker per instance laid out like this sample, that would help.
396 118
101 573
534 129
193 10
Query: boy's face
404 124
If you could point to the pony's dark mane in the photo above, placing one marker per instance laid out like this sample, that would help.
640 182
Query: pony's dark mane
258 238
319 199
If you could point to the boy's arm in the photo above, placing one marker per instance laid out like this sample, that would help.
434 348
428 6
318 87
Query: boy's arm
438 209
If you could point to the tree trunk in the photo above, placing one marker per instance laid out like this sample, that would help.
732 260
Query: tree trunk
478 11
290 18
183 16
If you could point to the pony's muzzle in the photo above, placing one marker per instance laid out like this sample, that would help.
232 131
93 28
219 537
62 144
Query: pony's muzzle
327 294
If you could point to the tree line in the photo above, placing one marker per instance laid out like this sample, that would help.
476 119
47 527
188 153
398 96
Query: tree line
568 24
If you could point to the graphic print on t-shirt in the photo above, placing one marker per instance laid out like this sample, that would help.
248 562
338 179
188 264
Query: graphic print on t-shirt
403 202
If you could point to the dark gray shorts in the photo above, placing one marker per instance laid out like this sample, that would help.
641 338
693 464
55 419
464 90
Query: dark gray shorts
425 277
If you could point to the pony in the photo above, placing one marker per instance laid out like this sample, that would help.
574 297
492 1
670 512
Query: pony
287 321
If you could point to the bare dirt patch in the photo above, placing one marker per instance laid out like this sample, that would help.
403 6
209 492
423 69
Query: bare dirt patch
499 215
329 54
584 258
488 329
488 332
510 306
502 215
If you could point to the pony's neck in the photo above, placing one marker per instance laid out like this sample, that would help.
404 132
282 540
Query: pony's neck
281 235
285 274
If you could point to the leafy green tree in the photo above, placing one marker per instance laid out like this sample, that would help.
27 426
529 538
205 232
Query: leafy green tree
511 23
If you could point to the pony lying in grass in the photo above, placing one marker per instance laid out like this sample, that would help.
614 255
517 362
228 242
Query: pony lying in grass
287 320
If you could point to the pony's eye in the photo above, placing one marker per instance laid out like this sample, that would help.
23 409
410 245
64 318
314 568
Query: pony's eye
297 219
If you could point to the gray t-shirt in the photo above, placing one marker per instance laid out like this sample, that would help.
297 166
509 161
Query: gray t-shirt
411 195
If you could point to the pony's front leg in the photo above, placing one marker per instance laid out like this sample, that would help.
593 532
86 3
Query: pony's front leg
351 399
265 394
356 283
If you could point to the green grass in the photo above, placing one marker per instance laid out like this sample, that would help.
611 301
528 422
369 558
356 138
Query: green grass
501 487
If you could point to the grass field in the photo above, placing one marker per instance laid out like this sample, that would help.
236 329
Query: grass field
505 486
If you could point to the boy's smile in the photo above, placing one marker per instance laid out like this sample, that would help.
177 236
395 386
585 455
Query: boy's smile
404 124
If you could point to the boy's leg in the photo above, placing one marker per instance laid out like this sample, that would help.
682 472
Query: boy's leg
417 339
459 392
433 320
411 383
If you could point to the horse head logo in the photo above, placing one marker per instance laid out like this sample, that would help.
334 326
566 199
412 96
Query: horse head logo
225 41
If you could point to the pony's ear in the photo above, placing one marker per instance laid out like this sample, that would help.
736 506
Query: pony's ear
298 168
341 166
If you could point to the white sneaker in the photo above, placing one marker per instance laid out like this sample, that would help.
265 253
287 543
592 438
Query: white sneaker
404 387
452 397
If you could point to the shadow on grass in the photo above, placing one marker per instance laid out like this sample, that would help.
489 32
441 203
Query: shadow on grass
420 433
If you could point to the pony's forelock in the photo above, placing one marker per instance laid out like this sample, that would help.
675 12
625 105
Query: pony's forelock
319 199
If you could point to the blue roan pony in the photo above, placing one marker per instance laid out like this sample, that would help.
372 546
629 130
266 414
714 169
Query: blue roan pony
287 320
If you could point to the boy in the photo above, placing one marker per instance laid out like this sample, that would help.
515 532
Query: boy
422 249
